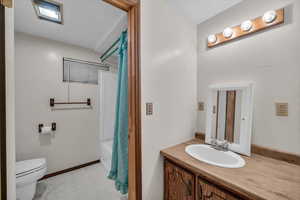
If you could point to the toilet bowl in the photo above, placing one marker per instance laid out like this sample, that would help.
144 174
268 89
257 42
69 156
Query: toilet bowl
28 172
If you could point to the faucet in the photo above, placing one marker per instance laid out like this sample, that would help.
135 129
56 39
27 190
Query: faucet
219 145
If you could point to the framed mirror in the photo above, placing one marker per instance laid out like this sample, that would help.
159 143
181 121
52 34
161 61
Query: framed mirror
229 115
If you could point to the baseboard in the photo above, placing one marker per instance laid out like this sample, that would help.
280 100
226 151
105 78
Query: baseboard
70 169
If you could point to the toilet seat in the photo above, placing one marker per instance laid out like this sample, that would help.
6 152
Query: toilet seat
27 167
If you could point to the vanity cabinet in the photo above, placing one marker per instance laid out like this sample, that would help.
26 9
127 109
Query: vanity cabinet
181 184
207 191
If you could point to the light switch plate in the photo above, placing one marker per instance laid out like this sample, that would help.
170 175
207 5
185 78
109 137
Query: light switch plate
149 108
214 109
282 109
201 106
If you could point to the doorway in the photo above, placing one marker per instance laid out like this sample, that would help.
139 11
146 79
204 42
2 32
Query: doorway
3 187
132 7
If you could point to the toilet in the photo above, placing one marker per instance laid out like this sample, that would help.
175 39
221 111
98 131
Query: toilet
28 172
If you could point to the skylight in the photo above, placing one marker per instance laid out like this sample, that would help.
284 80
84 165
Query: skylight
48 10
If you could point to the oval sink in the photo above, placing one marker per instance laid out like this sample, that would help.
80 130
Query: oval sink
215 157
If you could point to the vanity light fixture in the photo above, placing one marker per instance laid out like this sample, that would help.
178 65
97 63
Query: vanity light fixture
269 19
269 16
227 32
212 39
48 10
246 25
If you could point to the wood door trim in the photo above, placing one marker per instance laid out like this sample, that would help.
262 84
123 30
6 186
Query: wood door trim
3 106
266 152
132 7
134 147
121 4
6 3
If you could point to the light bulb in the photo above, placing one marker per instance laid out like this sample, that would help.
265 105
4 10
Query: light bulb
212 39
269 16
227 32
246 25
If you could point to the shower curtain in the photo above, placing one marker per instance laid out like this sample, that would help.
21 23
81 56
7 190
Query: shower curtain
119 165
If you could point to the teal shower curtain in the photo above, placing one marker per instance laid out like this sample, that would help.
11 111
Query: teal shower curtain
119 165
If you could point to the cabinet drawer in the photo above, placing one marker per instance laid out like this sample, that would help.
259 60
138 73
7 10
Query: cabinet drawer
207 191
179 184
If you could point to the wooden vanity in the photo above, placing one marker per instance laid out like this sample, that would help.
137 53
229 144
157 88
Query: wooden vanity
262 178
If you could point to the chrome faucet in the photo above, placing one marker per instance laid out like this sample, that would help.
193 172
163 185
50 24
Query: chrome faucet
219 145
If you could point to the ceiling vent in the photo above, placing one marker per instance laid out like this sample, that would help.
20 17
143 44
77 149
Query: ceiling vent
48 10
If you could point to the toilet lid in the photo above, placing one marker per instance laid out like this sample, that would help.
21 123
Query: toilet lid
28 166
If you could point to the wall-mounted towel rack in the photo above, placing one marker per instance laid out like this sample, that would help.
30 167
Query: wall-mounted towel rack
53 103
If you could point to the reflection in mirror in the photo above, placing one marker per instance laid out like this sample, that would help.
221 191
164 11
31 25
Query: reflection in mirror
227 115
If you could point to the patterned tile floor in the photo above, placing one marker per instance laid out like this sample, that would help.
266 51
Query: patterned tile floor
89 183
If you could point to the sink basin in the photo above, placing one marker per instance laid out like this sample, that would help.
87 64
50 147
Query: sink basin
215 157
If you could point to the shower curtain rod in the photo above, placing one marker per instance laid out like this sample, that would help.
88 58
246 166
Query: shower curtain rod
108 52
101 65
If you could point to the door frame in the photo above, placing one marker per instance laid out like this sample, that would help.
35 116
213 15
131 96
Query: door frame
132 7
2 106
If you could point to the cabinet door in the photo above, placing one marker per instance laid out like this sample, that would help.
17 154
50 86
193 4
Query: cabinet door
179 184
207 191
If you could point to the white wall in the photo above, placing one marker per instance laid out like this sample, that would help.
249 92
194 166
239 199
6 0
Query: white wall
10 103
113 35
269 58
168 79
39 77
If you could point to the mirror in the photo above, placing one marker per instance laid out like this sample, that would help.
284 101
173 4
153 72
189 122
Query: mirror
229 115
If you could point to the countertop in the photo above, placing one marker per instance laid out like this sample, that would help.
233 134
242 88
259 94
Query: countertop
262 178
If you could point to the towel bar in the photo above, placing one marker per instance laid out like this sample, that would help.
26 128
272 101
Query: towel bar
53 103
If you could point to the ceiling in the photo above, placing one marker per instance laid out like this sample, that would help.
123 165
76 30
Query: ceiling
200 10
87 23
95 24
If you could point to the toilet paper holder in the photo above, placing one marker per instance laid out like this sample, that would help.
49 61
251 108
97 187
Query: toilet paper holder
53 127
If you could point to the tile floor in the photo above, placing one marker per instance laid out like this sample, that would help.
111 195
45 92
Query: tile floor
89 183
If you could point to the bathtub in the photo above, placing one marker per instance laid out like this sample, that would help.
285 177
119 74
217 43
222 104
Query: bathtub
106 154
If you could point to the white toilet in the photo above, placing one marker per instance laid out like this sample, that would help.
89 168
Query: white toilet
28 172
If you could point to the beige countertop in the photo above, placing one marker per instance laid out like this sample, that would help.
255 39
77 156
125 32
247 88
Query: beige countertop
261 178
